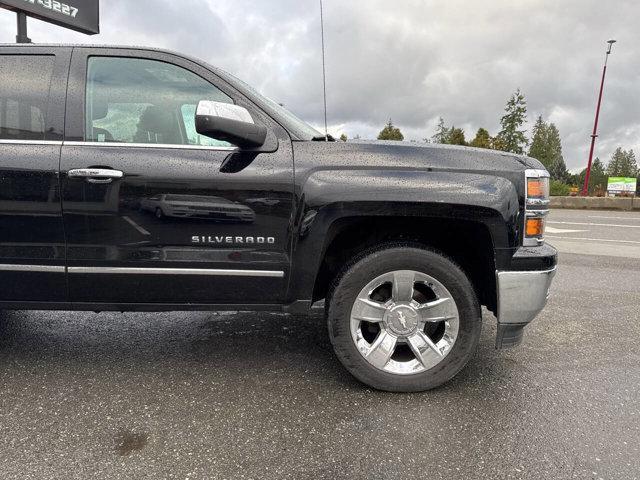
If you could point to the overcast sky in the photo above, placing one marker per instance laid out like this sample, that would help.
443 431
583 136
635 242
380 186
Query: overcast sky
408 60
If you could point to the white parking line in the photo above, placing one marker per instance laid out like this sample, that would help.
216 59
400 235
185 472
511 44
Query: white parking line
591 239
136 226
563 230
594 224
630 217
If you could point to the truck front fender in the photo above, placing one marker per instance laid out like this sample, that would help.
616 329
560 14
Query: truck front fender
328 199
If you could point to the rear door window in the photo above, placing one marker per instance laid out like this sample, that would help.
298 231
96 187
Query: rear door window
25 81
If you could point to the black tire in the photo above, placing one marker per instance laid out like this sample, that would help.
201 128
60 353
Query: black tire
159 213
400 256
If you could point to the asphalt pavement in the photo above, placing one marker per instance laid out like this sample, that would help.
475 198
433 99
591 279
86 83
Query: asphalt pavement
589 232
245 395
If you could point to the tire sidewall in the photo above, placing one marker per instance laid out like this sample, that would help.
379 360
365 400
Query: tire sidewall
383 260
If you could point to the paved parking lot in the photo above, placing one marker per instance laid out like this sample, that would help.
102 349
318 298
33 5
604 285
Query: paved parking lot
590 232
206 395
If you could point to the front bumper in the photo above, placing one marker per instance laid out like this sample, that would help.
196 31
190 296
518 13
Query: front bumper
521 296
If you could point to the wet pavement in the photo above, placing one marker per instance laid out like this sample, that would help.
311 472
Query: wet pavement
593 232
220 395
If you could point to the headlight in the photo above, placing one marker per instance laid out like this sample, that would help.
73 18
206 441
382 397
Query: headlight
538 189
536 206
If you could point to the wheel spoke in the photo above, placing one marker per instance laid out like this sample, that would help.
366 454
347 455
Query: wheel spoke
403 281
437 310
420 345
382 349
367 310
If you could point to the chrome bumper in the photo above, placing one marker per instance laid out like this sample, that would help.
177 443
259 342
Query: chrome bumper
521 296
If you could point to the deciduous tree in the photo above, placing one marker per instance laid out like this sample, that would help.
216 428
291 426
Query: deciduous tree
456 136
497 143
390 132
482 139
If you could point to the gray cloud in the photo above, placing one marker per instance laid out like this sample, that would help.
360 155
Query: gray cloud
411 61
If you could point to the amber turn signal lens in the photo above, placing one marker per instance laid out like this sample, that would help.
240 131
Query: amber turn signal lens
535 188
535 227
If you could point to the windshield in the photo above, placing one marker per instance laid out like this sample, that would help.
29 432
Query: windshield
298 128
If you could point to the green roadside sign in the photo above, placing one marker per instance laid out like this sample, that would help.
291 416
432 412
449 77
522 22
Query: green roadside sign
622 185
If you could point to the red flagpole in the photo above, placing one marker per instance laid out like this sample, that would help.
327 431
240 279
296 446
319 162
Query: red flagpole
594 135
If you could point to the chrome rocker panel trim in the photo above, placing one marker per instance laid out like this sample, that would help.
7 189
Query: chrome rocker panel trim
13 267
177 271
141 271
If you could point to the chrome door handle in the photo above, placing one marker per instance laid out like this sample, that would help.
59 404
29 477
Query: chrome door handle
96 175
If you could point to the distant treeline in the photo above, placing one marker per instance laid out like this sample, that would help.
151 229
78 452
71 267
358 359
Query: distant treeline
544 145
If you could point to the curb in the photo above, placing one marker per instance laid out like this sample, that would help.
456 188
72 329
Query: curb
596 203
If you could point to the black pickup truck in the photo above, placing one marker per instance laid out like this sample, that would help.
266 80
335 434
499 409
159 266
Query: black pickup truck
138 179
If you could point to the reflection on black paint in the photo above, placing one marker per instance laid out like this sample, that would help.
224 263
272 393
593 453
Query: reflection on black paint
28 186
31 230
237 161
202 207
30 216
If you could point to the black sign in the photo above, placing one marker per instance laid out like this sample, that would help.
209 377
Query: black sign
80 15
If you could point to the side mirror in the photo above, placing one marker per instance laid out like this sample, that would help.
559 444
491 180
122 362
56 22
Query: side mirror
228 122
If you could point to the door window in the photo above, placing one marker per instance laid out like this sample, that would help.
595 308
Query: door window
24 95
188 115
132 100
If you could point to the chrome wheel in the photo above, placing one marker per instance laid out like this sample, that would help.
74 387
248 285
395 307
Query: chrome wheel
404 322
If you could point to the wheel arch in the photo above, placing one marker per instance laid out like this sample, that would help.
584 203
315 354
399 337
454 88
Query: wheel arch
467 234
468 242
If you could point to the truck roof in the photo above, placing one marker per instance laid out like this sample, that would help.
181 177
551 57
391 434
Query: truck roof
105 46
82 45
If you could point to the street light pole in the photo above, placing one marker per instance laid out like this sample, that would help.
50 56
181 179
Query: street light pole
324 76
594 135
22 29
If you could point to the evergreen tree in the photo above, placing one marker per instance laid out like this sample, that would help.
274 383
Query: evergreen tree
632 165
554 143
512 137
482 139
343 137
622 164
546 147
538 148
616 164
597 178
390 132
456 137
557 168
442 132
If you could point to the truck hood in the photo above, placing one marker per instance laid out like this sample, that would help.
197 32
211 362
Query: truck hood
393 154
